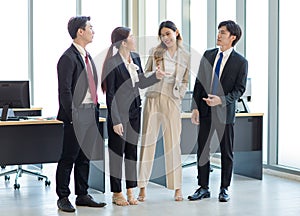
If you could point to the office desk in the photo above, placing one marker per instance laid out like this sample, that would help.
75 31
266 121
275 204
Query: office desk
247 146
41 141
30 141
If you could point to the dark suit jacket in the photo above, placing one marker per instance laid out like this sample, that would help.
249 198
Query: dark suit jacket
72 82
122 99
233 81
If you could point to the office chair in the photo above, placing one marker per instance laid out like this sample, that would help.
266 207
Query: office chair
19 171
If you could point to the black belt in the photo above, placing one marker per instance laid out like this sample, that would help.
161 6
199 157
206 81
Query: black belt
87 106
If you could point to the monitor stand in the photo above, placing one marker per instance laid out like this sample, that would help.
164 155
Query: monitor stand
242 106
4 112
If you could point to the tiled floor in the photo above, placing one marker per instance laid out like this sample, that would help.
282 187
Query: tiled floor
271 196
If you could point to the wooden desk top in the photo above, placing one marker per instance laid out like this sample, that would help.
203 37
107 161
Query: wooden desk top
29 122
36 122
248 114
188 115
27 109
103 106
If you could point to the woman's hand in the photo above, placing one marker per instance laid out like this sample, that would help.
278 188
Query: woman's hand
159 73
118 129
195 117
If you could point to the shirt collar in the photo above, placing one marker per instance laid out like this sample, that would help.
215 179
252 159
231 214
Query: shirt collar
80 49
125 60
130 64
169 56
226 52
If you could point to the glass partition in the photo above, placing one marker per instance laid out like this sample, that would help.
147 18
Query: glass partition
257 56
288 142
14 46
50 40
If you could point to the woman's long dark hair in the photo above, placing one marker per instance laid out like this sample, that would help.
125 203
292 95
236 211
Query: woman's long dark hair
118 35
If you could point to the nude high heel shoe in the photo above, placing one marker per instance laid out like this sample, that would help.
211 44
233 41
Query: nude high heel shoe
178 195
142 195
119 199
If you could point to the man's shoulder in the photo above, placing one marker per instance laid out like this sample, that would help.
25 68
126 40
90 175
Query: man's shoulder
68 56
71 51
238 56
211 51
210 54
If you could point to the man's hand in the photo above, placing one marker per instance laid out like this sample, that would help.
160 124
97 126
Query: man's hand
118 129
212 100
195 117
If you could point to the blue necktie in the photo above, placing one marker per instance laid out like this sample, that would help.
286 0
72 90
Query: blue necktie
215 83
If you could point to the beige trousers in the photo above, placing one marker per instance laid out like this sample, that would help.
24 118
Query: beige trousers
161 111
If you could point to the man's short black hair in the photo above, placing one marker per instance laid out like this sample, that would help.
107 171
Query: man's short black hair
233 28
75 23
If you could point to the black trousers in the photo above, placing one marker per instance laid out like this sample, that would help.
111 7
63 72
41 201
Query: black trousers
225 135
123 149
79 143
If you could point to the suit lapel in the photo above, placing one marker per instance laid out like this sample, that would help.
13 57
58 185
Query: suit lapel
135 61
211 59
181 63
122 70
78 55
227 66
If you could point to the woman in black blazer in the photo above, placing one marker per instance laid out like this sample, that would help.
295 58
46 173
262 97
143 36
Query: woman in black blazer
122 77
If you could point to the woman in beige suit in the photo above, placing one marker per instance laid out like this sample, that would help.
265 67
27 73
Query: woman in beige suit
163 108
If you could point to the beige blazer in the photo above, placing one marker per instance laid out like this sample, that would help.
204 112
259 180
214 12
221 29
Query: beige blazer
181 79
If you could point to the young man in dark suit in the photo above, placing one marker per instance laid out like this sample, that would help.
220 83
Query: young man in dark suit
79 111
221 81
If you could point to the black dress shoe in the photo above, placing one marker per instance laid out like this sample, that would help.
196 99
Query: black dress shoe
200 194
65 205
87 200
223 195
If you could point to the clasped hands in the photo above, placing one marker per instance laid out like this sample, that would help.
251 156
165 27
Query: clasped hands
211 100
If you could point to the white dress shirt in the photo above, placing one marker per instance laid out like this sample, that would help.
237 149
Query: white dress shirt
88 97
132 69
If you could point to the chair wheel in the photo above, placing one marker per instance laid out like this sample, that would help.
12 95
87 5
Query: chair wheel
16 186
40 178
47 183
6 178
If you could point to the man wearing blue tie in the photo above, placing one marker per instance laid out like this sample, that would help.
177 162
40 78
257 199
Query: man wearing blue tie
221 81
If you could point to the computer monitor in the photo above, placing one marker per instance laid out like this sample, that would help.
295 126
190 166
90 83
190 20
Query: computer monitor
14 94
241 104
247 93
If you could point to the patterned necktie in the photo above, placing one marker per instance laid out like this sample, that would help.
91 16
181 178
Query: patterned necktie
92 85
216 81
